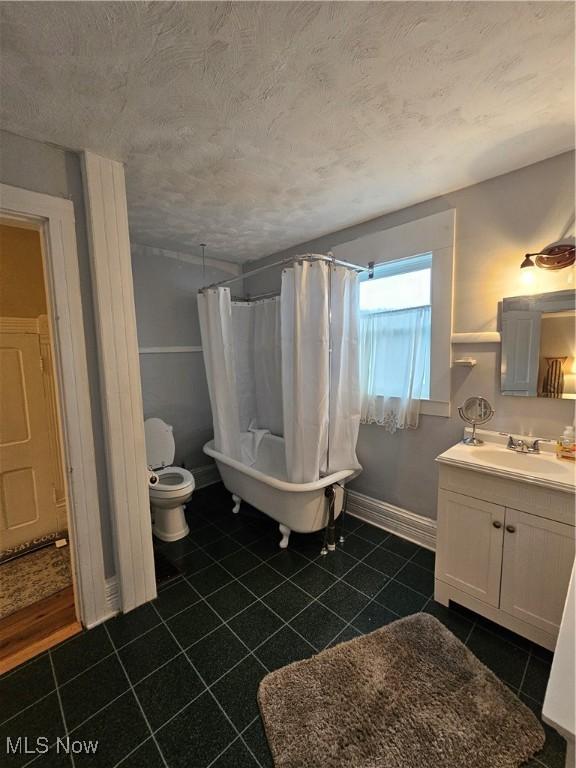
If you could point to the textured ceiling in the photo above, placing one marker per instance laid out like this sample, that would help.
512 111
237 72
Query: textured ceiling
255 126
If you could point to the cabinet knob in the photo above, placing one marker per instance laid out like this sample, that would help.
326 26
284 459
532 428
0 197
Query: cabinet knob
497 524
510 528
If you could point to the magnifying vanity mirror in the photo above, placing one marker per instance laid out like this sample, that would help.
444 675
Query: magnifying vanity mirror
476 410
539 345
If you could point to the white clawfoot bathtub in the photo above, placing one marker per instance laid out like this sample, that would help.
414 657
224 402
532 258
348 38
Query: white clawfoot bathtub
300 507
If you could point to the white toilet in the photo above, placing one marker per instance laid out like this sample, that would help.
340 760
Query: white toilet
174 487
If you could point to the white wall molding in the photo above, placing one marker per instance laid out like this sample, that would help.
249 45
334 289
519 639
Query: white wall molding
167 350
110 263
190 258
54 218
206 475
482 337
421 530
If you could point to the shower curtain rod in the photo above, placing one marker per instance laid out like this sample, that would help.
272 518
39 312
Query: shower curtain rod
290 260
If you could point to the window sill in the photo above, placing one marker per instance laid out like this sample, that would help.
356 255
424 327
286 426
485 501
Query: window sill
434 408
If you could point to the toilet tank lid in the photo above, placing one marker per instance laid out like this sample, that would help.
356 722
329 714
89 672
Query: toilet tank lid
160 446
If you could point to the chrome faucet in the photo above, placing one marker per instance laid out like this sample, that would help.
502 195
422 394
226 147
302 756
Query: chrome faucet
524 446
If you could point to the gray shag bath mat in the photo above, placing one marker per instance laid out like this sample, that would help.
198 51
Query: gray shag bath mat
409 695
32 577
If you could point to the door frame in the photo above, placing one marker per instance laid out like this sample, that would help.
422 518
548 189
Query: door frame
53 217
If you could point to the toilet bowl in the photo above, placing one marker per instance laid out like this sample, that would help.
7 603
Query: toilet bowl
174 487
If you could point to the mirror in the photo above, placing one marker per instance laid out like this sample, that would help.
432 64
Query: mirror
539 345
476 410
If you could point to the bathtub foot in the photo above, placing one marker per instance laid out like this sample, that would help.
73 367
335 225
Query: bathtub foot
237 501
285 531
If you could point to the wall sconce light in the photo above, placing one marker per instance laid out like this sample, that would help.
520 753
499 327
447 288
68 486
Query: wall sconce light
555 256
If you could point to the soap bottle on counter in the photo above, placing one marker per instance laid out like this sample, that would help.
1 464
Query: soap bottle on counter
566 445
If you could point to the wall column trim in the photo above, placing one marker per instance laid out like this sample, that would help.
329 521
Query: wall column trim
110 263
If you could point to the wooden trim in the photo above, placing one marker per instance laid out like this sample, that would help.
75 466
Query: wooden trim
48 380
110 262
54 217
166 350
417 528
37 628
483 337
19 325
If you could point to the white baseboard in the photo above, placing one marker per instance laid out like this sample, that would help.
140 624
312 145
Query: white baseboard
113 594
421 530
206 475
112 600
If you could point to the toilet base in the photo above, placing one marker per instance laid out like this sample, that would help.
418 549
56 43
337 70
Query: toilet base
169 524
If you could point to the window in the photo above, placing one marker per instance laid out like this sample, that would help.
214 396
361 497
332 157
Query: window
395 314
405 288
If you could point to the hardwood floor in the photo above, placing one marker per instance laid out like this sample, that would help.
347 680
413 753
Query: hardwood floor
34 629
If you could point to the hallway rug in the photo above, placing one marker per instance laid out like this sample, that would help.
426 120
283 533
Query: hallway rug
407 695
32 577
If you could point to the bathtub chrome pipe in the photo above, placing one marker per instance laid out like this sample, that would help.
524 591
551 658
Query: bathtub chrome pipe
330 533
283 262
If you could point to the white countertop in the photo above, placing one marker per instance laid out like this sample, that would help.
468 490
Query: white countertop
494 458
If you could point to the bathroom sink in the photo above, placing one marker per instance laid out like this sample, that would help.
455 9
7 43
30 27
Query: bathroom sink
494 458
524 462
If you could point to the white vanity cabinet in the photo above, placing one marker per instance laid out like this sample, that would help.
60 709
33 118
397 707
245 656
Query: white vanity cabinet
505 549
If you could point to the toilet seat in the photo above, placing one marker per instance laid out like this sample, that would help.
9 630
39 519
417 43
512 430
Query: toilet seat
172 480
175 485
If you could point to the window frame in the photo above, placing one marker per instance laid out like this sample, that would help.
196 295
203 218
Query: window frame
434 235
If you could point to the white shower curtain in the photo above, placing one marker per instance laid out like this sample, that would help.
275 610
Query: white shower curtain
269 367
267 362
345 397
321 407
215 311
304 308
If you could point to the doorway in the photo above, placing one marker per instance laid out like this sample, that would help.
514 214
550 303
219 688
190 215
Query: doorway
37 606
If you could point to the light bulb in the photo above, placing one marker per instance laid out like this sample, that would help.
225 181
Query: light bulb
527 277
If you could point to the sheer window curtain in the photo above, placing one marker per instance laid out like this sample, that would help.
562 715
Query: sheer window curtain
394 366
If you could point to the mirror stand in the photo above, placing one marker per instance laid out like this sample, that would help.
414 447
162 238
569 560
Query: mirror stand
475 410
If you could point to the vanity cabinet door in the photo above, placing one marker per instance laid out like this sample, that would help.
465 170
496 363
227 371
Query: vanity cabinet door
469 545
537 563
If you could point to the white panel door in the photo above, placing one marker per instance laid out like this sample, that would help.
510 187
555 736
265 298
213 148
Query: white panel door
469 545
538 558
520 351
27 499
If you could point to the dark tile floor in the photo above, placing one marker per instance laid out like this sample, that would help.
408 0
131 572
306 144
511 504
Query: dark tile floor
174 682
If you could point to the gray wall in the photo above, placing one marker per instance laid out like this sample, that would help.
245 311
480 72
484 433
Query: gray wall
43 168
174 385
497 221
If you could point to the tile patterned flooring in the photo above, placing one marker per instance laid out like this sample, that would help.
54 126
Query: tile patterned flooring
173 683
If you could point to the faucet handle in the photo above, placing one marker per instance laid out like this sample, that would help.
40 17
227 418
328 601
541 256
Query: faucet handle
535 447
512 442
